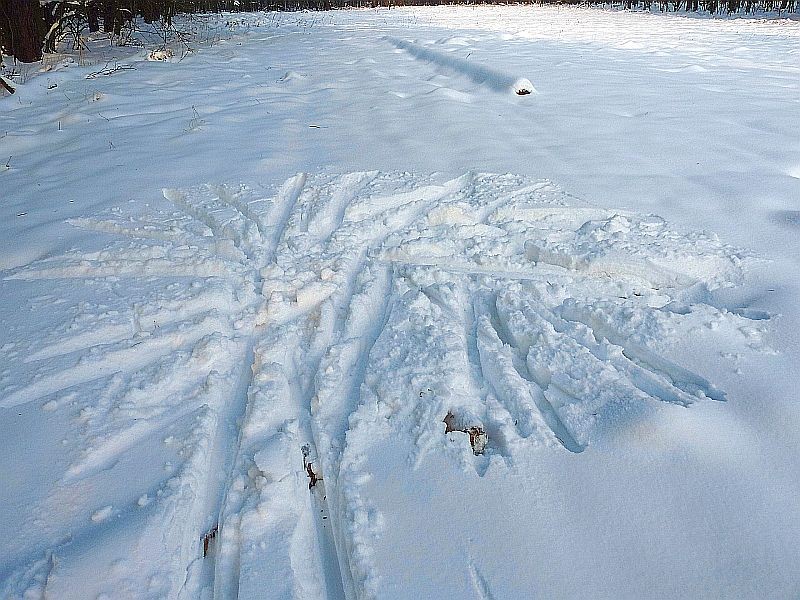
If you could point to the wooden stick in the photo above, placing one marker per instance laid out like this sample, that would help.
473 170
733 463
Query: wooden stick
7 85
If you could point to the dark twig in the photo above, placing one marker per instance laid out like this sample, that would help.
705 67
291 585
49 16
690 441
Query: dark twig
7 85
110 70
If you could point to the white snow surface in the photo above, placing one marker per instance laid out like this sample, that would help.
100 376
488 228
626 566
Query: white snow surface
533 346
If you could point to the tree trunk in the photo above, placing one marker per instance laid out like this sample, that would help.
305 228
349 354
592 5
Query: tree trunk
109 15
22 28
93 16
149 10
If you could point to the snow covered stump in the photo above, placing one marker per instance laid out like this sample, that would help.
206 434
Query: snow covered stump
523 87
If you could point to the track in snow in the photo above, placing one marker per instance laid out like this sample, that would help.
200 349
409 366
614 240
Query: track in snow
252 327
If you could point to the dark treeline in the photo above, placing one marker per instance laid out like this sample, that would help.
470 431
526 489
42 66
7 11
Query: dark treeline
30 27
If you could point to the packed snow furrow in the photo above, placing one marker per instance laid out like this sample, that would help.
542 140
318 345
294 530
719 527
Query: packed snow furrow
163 405
248 208
98 415
129 358
332 322
565 217
650 371
633 269
476 409
639 249
225 221
154 267
143 321
651 380
110 447
455 298
270 536
328 217
186 509
405 209
101 336
541 395
489 212
401 204
337 574
170 516
340 377
279 216
513 391
343 366
457 268
427 329
470 321
220 474
333 313
173 402
581 378
141 229
33 577
242 494
479 583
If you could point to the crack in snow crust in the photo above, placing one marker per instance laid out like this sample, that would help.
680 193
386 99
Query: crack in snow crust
337 314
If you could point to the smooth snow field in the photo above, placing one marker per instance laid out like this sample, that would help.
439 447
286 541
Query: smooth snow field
492 303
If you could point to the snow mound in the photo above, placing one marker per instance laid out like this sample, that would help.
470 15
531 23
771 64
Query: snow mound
162 55
290 76
523 87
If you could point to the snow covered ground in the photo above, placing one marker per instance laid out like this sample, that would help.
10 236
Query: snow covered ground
329 309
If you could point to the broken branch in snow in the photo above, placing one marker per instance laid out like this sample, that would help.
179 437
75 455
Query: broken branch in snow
208 538
313 478
7 85
110 70
477 435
